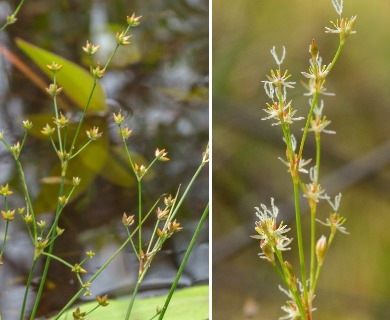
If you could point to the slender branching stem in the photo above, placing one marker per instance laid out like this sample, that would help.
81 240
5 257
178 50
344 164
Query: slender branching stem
184 262
28 284
285 276
300 241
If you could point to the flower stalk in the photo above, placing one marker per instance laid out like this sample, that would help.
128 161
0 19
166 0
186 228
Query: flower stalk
273 239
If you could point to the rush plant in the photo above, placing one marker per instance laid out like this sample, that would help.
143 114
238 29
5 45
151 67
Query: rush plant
69 139
300 286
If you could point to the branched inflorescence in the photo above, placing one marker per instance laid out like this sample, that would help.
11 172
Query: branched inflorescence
273 238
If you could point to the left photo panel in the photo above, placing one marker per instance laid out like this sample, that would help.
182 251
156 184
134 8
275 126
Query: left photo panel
104 159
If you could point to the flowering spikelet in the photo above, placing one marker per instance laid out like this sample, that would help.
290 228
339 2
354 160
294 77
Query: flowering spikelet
271 237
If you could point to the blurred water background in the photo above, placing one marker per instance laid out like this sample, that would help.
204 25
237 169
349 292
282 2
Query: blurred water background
160 82
355 283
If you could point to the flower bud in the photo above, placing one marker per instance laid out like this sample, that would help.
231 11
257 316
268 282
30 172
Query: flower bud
98 73
94 134
125 133
53 90
321 248
133 21
161 155
62 121
169 201
27 124
102 301
76 181
90 49
8 215
118 118
41 224
162 214
63 201
313 48
122 39
140 170
47 130
90 254
15 149
54 66
11 19
4 191
78 269
127 220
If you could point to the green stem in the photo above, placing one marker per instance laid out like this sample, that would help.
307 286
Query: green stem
312 249
300 242
81 149
139 217
153 235
58 259
187 189
30 275
5 238
27 195
50 250
135 292
306 129
283 276
82 118
336 56
75 297
184 262
129 157
57 113
313 212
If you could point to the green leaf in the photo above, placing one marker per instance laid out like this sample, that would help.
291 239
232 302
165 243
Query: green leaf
186 304
76 81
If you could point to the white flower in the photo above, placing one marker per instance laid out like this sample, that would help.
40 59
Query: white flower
282 115
315 192
269 234
295 164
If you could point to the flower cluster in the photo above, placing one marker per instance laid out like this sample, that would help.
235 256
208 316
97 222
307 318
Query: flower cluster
291 307
283 114
344 27
335 220
271 237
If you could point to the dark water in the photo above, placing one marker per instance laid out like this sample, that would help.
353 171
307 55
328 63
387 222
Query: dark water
161 84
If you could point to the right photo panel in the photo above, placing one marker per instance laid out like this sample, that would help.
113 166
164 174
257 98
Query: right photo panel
301 154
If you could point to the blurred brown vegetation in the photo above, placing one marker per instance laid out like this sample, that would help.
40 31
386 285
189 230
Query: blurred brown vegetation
355 282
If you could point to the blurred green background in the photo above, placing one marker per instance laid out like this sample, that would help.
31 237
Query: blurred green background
355 282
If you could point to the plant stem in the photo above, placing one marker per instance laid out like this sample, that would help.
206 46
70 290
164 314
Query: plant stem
313 213
82 118
139 218
97 273
23 310
50 250
135 291
184 262
300 242
296 295
56 113
306 129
